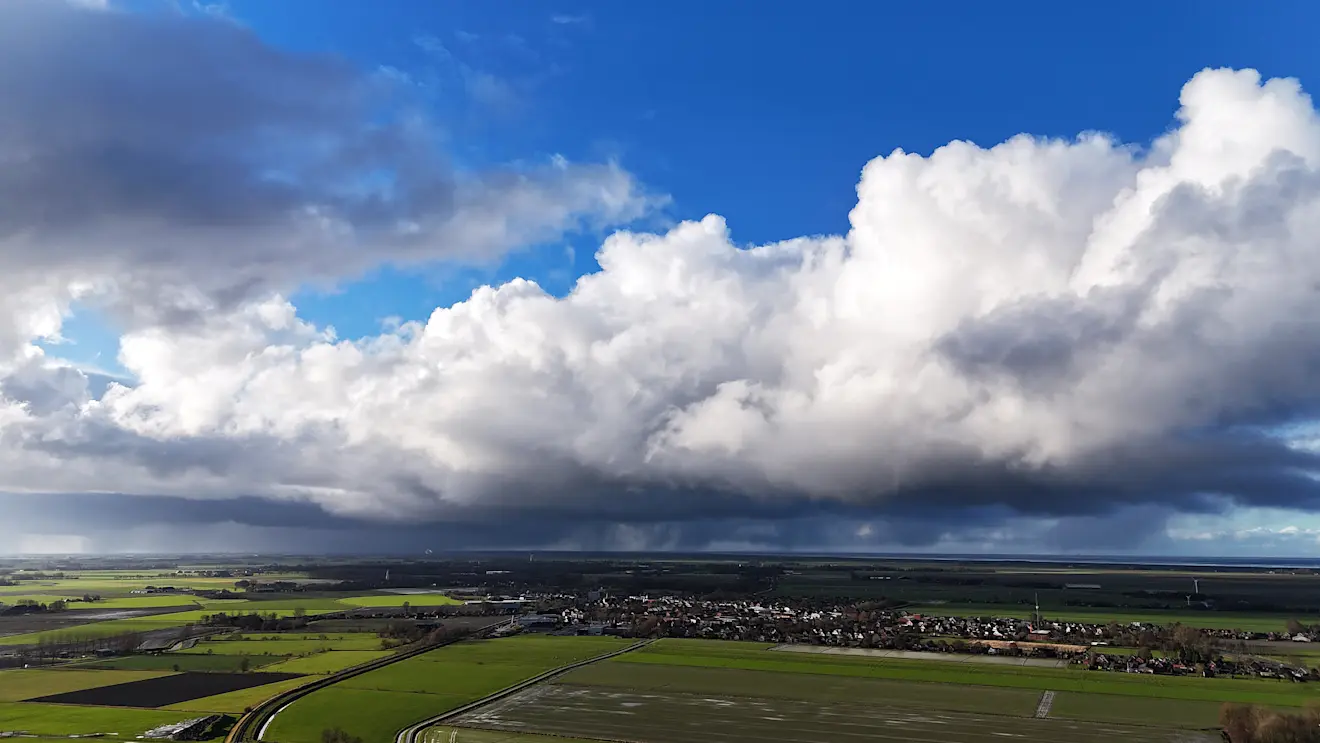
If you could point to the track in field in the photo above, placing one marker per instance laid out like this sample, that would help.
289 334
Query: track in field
672 717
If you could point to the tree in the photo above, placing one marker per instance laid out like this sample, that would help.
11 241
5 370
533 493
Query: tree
338 735
1144 653
1294 627
299 612
245 664
406 607
1239 722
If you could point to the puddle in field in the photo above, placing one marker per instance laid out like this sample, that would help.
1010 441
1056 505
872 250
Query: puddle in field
675 717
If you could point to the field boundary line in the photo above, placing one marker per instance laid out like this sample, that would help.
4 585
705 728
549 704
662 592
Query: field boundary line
410 733
1046 703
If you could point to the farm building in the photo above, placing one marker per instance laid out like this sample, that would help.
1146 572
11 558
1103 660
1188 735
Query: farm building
539 620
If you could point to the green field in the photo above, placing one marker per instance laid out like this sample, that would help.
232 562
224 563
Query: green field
40 598
168 662
281 608
66 719
800 686
295 636
141 602
235 702
1202 619
703 690
18 684
413 599
97 629
754 657
363 641
329 662
468 735
1139 710
379 703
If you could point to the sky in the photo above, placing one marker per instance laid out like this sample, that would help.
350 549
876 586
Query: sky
396 276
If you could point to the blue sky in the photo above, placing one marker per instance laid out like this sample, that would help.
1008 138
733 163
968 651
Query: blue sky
763 113
967 317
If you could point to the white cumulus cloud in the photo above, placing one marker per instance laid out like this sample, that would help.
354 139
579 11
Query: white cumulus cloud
1049 327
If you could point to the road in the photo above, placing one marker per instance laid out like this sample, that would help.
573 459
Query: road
251 725
409 734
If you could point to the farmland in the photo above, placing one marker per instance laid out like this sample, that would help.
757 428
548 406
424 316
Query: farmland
164 690
362 641
676 717
441 734
237 701
754 657
414 599
181 662
328 662
734 692
64 720
18 684
378 704
191 611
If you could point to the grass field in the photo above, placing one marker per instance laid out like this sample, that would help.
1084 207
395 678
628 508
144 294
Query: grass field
289 636
98 629
378 704
21 684
1203 619
136 602
168 662
673 716
413 599
235 702
330 662
720 692
804 687
754 657
63 719
281 608
445 734
40 598
363 641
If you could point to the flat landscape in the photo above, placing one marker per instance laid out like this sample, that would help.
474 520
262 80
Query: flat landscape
181 662
795 683
678 717
721 692
376 705
164 690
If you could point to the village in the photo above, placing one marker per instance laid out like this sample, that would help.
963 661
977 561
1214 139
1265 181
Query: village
1134 647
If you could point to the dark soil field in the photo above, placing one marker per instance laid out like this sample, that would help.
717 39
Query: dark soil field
677 717
166 690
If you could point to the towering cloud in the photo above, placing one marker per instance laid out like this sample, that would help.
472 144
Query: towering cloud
1043 327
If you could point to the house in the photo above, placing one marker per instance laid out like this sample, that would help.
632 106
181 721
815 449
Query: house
539 620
